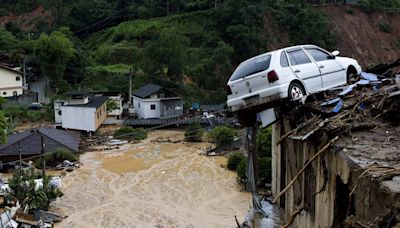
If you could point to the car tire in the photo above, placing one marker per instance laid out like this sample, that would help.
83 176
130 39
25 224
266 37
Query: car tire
296 91
352 76
247 118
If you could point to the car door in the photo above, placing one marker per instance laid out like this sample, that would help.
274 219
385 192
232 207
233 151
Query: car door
305 69
332 72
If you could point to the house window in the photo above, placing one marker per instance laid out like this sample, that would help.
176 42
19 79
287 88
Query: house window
153 107
18 78
97 115
4 93
59 113
139 105
15 93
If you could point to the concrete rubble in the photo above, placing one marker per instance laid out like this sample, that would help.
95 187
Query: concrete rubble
336 159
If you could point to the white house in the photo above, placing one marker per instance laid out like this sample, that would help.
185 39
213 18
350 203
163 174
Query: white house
11 82
153 101
81 112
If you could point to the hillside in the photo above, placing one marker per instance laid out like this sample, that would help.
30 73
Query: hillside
191 50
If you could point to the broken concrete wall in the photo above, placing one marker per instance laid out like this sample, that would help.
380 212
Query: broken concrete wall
322 192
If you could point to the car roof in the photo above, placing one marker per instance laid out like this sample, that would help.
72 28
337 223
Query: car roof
278 50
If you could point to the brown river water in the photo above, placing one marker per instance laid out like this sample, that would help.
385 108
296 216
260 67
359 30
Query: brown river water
152 185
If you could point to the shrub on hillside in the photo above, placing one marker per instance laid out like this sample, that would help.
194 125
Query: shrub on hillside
194 132
57 156
129 133
234 160
223 135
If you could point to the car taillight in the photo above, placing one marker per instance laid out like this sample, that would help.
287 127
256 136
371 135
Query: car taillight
272 76
228 90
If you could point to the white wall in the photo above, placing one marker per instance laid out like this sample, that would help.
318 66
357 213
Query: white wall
78 118
143 110
9 84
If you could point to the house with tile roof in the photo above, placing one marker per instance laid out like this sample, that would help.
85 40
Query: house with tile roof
153 101
29 143
80 111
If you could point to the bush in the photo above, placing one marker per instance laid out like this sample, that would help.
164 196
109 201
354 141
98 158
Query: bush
129 133
234 160
56 157
223 135
241 170
265 172
194 132
23 189
264 145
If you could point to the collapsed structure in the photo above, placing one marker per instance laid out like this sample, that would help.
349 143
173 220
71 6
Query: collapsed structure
336 163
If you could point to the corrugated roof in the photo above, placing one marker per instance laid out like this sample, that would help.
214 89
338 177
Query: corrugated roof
146 90
94 102
30 141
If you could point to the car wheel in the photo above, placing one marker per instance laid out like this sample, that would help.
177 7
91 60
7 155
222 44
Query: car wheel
247 118
296 91
352 76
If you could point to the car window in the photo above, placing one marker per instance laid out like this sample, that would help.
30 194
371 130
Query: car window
284 61
318 55
251 67
298 57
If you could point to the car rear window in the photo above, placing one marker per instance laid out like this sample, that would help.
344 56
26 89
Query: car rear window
251 67
298 57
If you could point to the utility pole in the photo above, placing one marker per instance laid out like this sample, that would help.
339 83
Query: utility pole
130 89
43 160
19 152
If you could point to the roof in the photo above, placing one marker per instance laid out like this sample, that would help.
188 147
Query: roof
147 90
94 102
10 69
212 107
30 143
76 93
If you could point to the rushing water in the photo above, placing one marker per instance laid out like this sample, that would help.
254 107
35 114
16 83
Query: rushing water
152 185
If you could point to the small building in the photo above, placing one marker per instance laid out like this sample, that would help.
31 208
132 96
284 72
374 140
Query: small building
11 82
28 143
80 111
153 101
117 99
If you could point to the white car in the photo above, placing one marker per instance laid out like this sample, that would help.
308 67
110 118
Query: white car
293 72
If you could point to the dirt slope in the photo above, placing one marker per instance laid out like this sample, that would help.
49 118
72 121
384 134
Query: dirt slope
30 20
360 36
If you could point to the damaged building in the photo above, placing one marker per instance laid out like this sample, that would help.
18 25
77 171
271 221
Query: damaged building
336 163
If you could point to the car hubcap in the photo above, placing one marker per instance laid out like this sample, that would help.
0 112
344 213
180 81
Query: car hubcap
296 93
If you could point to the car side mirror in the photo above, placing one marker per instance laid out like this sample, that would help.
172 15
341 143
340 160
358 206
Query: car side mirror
335 53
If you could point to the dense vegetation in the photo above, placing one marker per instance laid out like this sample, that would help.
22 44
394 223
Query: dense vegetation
56 157
222 136
190 46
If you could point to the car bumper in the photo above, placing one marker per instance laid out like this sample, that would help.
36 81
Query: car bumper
267 96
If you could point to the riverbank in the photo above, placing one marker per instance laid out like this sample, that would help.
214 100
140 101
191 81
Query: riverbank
152 185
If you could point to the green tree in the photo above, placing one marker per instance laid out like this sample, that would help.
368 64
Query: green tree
112 105
264 146
264 170
54 52
126 132
223 135
7 41
194 132
166 55
23 188
3 128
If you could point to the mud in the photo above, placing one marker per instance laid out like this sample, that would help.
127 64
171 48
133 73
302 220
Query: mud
152 185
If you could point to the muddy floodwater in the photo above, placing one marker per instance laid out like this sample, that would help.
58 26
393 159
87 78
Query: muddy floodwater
151 184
